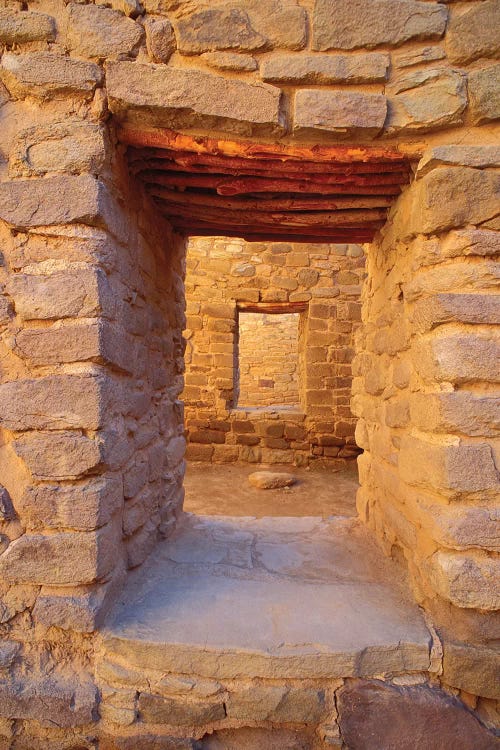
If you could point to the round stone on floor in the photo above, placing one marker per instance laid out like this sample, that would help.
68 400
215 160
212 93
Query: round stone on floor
271 480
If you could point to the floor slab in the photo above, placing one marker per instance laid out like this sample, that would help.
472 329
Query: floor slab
276 597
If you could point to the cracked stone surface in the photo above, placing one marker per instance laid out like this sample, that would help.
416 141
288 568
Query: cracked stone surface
271 597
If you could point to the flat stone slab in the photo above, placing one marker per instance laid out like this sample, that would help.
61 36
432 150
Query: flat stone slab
271 480
273 597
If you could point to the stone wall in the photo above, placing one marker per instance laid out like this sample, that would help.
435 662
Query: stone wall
323 282
425 389
268 360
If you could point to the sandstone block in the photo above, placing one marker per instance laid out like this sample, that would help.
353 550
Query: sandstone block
450 197
8 652
138 510
61 559
430 312
304 706
469 156
473 34
177 712
256 703
177 98
458 358
459 411
484 94
54 402
465 527
58 455
53 200
160 39
58 344
85 506
458 468
72 701
230 61
347 24
426 100
7 512
61 147
282 22
97 33
439 721
47 74
217 29
78 608
465 579
271 480
18 27
339 113
471 668
69 293
324 69
140 544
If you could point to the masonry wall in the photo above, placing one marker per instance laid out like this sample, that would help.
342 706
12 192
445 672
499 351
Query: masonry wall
425 389
324 281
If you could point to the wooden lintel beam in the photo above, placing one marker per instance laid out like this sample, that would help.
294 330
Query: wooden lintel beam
271 308
241 186
264 203
169 139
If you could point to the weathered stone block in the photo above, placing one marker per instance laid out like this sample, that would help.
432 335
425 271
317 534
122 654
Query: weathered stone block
55 402
178 712
97 33
347 24
18 27
7 512
160 39
72 701
377 715
450 197
471 668
473 34
466 579
463 527
459 411
341 114
230 61
217 29
75 292
170 97
256 703
61 559
85 506
426 100
435 310
468 156
53 200
300 705
58 344
484 94
459 468
457 358
47 74
58 455
282 22
61 147
318 69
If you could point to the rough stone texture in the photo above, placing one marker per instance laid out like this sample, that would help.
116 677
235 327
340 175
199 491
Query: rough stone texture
373 714
317 69
473 34
229 61
347 24
47 74
98 33
426 100
217 29
160 39
26 26
269 480
156 710
58 455
472 669
342 114
176 98
471 156
484 94
7 512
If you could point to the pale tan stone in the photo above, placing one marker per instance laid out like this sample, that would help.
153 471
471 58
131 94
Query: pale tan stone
466 580
25 26
426 100
340 114
432 311
47 74
457 358
469 156
229 61
96 33
472 34
160 39
460 411
58 455
472 668
484 94
217 29
270 480
316 69
157 710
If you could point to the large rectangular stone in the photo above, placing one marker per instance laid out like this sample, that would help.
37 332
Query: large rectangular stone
157 96
458 358
84 506
55 402
458 411
341 114
323 69
347 24
468 580
58 455
18 27
45 74
54 200
437 309
474 34
62 559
